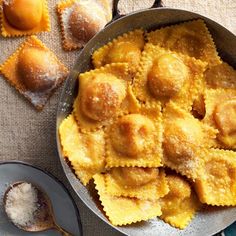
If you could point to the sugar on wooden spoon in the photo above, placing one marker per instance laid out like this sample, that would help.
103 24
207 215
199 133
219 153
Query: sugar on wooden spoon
29 208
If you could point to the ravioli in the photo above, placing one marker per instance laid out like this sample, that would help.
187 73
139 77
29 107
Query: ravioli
191 38
221 114
123 210
84 151
138 182
183 136
135 139
164 75
104 94
34 71
217 183
24 17
147 122
126 48
81 20
180 204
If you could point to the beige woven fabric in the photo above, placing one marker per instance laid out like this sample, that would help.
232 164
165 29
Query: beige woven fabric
222 11
28 135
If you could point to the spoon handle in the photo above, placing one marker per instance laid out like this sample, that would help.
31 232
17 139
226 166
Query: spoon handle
62 231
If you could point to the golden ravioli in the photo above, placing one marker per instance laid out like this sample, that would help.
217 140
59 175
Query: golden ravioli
217 183
135 139
183 136
81 20
84 151
24 17
180 204
164 75
126 48
221 114
123 210
104 94
191 38
34 71
138 182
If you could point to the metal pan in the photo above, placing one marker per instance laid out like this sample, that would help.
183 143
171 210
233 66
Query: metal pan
207 222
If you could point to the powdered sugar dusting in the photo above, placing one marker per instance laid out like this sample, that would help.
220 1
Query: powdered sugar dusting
93 10
48 70
41 97
74 42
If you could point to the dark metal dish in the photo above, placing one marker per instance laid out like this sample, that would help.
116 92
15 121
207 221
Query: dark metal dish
207 222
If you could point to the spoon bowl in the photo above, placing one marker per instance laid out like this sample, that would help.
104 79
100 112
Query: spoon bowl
44 218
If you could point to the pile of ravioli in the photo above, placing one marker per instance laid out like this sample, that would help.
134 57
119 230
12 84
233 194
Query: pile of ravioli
154 126
33 69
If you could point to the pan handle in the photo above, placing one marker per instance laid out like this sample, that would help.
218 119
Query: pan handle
116 13
157 3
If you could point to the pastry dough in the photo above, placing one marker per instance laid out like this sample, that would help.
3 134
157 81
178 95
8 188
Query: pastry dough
104 94
84 151
81 20
183 136
217 183
165 75
126 48
135 139
34 71
24 17
218 76
221 76
191 38
123 210
138 182
180 204
221 114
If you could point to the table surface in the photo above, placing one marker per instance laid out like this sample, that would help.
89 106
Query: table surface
28 135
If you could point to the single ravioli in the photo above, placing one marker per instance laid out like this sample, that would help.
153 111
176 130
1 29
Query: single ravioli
217 183
165 75
84 151
191 38
180 204
138 182
221 76
183 136
34 71
221 114
126 48
104 94
123 210
135 139
23 17
81 20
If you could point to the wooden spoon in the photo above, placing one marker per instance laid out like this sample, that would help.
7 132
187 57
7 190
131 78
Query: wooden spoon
44 216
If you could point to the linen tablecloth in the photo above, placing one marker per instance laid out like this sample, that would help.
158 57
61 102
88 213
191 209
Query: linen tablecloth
28 135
